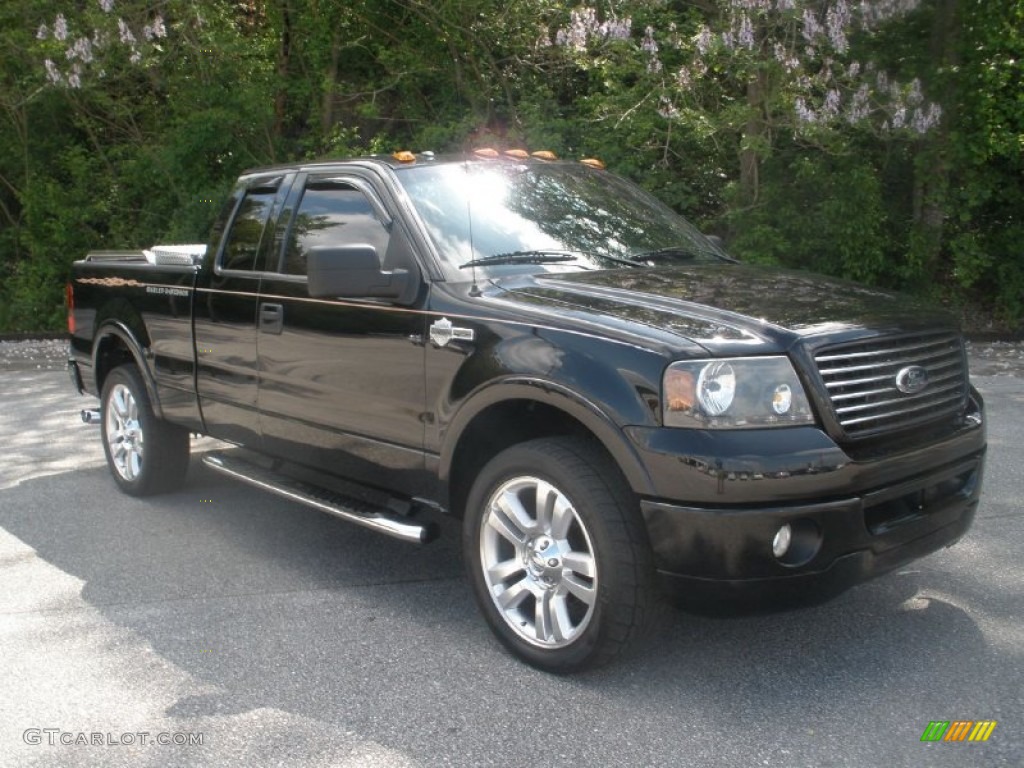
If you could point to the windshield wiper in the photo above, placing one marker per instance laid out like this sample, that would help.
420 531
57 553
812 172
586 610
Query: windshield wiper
548 256
673 252
540 256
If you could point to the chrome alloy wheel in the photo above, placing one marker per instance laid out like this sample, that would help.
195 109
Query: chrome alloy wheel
124 432
538 562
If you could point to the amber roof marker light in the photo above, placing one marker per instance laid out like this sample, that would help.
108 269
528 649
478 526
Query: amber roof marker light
404 156
488 152
593 162
544 154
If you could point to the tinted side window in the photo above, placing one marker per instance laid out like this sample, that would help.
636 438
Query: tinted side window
332 213
221 222
247 230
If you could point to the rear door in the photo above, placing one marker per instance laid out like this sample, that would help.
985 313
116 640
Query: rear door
341 384
226 312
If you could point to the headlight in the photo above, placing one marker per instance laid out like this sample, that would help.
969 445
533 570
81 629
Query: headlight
728 394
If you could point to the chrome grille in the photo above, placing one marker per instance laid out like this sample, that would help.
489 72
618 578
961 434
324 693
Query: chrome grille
861 381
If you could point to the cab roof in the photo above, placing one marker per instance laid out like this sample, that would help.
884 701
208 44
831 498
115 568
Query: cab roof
406 159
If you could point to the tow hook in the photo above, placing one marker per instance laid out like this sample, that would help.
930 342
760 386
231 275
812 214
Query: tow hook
91 415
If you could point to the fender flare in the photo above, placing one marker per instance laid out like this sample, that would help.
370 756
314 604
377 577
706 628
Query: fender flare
558 396
120 330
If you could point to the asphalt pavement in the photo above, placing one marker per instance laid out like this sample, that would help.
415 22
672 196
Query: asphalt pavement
245 630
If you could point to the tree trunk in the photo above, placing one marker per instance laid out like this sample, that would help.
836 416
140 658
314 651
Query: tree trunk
932 163
752 142
327 103
284 57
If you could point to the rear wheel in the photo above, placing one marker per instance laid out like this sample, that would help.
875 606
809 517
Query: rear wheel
145 455
557 555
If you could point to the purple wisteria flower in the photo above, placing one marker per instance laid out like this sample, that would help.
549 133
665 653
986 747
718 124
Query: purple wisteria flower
52 73
667 109
860 105
899 118
617 29
877 11
60 28
583 27
650 46
803 112
788 61
704 40
830 108
914 95
837 20
125 32
745 36
82 50
812 28
927 119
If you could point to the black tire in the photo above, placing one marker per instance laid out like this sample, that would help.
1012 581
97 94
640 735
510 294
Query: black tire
145 455
585 612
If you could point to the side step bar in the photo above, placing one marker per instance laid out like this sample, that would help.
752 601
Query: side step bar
347 508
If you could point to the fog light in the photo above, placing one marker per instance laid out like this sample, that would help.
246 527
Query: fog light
780 544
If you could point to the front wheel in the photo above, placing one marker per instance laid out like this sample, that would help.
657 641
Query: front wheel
145 455
557 555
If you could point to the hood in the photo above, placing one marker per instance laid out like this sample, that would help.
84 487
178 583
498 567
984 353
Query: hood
727 304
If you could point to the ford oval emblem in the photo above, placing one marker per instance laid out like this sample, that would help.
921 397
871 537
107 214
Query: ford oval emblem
912 379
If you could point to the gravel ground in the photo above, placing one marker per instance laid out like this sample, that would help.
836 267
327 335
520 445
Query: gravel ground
997 358
41 355
994 358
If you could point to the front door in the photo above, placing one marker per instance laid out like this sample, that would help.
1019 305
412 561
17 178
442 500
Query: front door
341 381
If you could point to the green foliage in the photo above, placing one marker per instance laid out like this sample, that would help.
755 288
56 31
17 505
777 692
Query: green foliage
138 141
820 212
988 147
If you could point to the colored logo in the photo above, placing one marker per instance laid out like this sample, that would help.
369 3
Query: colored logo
958 730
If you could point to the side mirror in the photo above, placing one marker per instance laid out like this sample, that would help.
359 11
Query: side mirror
352 271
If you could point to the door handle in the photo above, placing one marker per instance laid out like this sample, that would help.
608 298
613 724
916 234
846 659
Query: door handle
271 318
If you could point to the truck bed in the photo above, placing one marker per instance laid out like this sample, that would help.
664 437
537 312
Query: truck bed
152 303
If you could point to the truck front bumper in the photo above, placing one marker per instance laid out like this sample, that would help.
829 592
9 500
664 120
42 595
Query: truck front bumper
847 520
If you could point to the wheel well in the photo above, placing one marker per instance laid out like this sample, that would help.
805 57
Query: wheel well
111 352
499 427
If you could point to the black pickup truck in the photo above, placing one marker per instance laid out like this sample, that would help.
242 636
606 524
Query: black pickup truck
609 402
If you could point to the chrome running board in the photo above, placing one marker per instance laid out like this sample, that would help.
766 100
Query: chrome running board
347 508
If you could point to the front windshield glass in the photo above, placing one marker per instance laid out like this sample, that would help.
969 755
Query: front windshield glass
503 217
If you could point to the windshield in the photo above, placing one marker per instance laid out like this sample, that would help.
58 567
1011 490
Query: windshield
507 217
